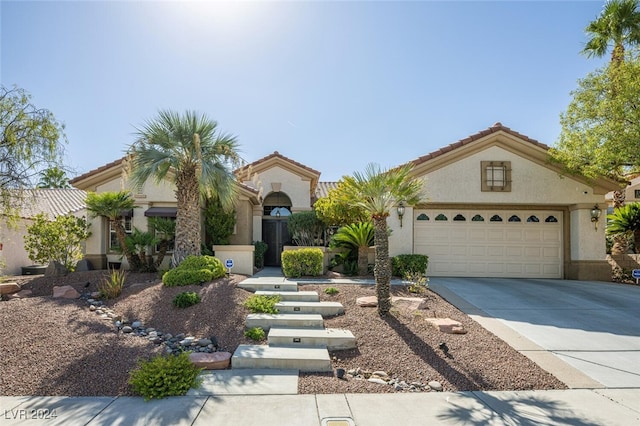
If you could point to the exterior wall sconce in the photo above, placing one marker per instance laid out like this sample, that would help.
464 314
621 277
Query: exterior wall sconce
595 215
400 210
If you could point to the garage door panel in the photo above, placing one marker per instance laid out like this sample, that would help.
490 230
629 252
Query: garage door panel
491 249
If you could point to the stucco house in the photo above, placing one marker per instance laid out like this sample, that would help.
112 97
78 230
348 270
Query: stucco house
52 203
495 207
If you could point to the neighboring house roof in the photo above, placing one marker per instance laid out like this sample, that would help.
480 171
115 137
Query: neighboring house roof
323 189
52 202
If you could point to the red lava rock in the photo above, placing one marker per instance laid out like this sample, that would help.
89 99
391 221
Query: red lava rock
211 361
9 288
447 325
66 292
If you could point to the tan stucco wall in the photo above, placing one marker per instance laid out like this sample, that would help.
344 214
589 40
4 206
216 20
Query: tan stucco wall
243 232
295 187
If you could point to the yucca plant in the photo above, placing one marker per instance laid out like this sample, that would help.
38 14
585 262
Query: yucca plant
358 237
625 222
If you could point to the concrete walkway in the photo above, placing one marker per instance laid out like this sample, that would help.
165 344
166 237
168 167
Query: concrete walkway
232 398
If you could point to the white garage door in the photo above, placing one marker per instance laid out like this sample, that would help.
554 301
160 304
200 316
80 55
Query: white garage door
490 243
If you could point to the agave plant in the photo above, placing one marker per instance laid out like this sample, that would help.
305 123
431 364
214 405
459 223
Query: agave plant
625 222
357 236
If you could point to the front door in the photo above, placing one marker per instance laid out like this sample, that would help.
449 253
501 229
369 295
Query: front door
276 234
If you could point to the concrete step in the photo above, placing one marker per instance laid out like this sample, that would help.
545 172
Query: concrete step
269 285
266 321
290 296
325 309
262 356
331 338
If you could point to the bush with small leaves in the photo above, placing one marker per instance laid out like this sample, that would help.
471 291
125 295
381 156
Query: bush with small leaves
331 291
407 263
164 375
255 333
194 270
259 304
186 299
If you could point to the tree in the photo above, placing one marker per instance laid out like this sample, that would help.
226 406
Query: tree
377 191
618 24
333 211
30 140
53 177
139 243
356 236
305 228
189 150
624 222
58 240
165 231
218 222
600 133
111 205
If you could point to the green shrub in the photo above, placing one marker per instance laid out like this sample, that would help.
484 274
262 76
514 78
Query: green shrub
186 299
331 291
255 333
111 287
194 270
164 375
260 249
259 304
305 228
418 282
409 263
296 263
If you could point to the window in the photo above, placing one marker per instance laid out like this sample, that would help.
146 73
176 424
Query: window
636 193
114 245
514 218
422 216
441 217
495 218
533 219
496 176
459 218
551 219
477 218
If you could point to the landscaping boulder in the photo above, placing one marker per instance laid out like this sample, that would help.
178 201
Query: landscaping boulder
409 303
447 325
83 266
65 292
21 294
211 361
9 288
55 269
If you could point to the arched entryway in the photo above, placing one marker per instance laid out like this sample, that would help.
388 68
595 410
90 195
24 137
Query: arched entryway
276 210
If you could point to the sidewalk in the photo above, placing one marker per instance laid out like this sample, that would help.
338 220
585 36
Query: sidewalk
571 407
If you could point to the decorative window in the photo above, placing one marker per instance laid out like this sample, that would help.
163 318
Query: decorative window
459 218
422 216
533 219
514 218
114 245
477 218
441 217
495 176
495 218
551 219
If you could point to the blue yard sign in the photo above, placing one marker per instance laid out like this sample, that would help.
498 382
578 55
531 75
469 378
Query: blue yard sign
229 264
636 274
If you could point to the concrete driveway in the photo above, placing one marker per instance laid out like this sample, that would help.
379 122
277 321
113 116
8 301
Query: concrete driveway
587 333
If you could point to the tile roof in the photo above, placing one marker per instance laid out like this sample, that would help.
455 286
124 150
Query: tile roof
52 202
497 127
275 154
98 170
323 188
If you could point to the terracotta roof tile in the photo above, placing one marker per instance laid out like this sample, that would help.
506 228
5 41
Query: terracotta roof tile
52 202
96 171
472 138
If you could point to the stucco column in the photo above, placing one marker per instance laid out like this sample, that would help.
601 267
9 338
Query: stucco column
587 237
257 223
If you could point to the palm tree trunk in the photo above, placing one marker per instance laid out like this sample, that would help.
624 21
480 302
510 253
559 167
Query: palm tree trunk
363 261
382 269
188 216
134 264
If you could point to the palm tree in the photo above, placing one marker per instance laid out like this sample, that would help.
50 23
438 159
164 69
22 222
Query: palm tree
618 24
53 177
139 243
165 231
111 205
189 150
358 236
623 223
377 191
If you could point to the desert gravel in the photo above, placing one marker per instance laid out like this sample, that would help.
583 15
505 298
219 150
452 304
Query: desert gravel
58 347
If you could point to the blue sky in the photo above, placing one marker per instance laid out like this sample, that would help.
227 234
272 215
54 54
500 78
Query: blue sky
333 85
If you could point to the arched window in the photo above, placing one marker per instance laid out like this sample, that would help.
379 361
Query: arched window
422 216
551 219
495 218
459 218
441 217
533 219
514 218
477 218
276 202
